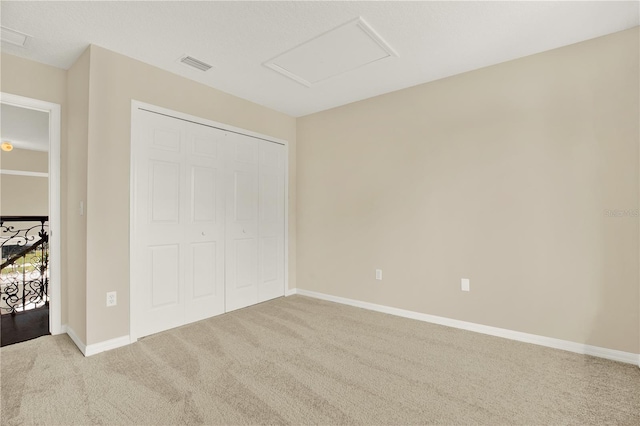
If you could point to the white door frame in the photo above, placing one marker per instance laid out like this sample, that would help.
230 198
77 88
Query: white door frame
135 107
55 261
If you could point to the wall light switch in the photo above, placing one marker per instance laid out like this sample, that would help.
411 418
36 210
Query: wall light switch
379 274
464 284
81 208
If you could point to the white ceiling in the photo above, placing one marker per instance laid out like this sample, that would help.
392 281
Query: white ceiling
25 128
433 39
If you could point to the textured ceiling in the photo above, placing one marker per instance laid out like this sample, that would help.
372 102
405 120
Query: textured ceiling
24 128
433 39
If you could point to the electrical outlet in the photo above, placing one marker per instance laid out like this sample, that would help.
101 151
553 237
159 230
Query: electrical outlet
464 284
112 298
379 274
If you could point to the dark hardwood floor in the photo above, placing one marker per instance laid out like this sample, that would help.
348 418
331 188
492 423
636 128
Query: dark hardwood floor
24 326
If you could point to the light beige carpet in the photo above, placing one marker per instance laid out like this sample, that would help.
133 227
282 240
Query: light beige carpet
297 360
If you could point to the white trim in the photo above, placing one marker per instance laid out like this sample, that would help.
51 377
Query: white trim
133 208
23 173
55 262
96 348
295 77
137 106
550 342
199 120
291 292
107 345
79 343
286 218
358 22
366 27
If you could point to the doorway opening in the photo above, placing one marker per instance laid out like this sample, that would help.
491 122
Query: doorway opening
29 219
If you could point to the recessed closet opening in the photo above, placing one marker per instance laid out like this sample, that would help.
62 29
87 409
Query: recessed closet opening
208 219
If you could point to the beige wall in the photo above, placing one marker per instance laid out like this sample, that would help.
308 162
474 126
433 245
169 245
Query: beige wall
114 81
25 160
95 168
78 107
33 80
24 195
38 81
502 175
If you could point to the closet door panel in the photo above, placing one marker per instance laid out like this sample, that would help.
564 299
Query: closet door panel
271 224
241 219
208 221
157 255
203 226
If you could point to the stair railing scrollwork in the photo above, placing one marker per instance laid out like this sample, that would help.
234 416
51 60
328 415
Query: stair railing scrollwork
24 273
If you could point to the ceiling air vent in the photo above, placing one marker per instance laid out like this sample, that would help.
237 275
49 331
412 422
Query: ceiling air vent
14 37
195 63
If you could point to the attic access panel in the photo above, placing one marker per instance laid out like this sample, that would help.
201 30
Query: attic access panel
342 49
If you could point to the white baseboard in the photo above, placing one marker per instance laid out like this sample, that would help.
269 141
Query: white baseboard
107 345
72 334
61 329
96 348
290 292
550 342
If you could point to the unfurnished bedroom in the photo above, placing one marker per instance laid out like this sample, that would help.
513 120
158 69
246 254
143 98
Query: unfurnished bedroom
388 212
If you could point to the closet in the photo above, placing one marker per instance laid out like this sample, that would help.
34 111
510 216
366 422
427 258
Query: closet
207 219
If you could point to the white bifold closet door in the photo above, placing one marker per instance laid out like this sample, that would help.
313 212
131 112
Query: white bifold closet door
254 222
179 223
208 221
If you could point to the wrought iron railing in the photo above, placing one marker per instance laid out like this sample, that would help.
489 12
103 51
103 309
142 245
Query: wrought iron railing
24 273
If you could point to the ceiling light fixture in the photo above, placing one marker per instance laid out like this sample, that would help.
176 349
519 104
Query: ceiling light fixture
7 146
14 37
